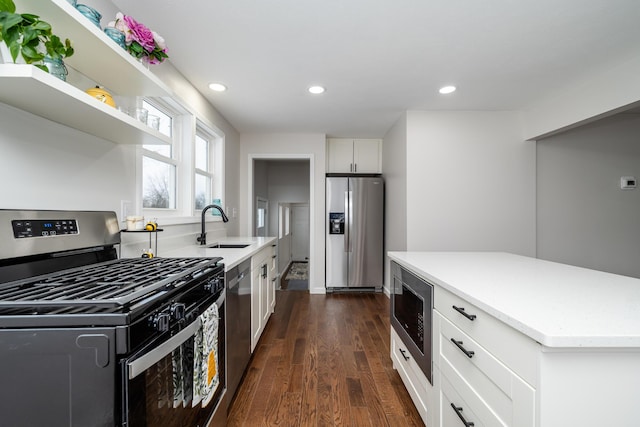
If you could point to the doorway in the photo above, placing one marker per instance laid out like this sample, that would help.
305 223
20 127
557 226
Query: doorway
285 184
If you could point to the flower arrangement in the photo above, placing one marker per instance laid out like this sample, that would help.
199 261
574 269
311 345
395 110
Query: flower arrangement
142 43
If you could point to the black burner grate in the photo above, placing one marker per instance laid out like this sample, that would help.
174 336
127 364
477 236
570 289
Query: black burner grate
114 283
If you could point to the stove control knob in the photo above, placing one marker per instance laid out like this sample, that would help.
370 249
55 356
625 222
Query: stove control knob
178 310
214 285
161 322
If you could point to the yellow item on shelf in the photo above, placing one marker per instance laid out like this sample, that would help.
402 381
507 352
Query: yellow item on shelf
101 95
151 226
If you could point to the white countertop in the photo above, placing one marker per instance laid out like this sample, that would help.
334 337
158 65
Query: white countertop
555 304
231 257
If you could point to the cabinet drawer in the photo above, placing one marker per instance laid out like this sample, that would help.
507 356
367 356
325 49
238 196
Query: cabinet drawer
412 376
501 390
260 258
517 351
455 411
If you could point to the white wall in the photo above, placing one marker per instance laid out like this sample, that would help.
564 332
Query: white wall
470 182
273 146
394 166
583 217
45 165
597 93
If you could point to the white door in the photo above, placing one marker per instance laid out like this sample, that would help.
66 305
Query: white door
261 220
300 232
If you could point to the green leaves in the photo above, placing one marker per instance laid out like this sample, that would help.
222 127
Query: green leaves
7 6
25 34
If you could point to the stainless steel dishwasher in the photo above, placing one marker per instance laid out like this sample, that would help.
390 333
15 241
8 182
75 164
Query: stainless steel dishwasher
238 324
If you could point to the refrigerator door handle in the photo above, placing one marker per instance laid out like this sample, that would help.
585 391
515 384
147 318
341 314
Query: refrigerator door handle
346 221
349 221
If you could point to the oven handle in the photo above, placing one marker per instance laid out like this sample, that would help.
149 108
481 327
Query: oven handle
141 364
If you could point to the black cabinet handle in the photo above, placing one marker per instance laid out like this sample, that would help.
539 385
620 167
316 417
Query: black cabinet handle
459 414
403 354
458 344
460 310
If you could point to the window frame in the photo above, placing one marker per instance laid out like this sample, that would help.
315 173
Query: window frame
176 112
215 165
185 125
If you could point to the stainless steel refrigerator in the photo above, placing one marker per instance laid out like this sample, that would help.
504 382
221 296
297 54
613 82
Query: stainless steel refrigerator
355 231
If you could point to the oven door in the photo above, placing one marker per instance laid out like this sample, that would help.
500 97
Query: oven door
180 381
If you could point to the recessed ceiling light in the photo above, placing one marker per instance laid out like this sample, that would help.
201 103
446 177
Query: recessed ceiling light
316 90
447 89
218 87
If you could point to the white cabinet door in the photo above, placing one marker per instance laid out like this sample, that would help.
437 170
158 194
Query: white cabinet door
264 294
273 279
366 155
354 155
256 317
340 155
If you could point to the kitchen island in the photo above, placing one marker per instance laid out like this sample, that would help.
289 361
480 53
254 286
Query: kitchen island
549 344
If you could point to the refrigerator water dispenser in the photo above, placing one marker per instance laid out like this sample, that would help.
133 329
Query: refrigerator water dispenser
336 222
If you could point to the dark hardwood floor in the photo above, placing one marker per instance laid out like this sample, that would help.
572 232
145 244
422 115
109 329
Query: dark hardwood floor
323 360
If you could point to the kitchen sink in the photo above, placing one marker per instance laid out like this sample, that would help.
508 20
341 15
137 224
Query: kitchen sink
229 245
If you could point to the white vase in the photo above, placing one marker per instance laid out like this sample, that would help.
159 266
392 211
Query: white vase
5 55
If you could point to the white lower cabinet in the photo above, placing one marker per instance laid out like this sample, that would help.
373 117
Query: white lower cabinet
415 381
454 410
273 278
472 384
262 293
495 394
488 373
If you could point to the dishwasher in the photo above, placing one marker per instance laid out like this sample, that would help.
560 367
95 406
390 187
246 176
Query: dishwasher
238 324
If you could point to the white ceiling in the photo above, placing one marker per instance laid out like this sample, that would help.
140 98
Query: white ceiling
378 58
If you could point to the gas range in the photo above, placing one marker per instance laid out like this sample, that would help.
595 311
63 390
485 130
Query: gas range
115 292
87 338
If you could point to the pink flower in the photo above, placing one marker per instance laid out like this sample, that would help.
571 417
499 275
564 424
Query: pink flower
121 26
162 45
140 33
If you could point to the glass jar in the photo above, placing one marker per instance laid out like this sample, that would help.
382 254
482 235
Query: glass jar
90 13
56 67
116 35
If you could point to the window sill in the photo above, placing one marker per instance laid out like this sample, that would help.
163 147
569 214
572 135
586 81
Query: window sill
180 220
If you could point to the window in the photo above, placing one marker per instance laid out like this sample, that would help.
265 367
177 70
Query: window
207 164
179 179
159 165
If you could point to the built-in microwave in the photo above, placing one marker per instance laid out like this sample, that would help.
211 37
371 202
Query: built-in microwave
412 315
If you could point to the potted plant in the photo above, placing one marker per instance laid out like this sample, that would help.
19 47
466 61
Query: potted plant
29 37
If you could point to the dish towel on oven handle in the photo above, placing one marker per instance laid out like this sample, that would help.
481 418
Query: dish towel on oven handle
205 370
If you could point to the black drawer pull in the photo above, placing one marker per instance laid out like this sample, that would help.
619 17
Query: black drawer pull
460 310
458 344
403 354
459 414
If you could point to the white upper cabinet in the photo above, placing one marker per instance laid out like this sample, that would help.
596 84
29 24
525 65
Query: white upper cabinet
354 155
98 59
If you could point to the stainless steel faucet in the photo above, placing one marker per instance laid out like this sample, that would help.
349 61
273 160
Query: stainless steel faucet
203 235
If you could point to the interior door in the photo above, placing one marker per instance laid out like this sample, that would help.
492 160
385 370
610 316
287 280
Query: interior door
261 220
300 232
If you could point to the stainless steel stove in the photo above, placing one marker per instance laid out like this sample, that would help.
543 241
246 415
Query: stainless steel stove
87 339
